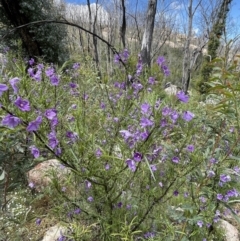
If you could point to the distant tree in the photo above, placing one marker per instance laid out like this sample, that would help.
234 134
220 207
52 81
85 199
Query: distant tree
45 40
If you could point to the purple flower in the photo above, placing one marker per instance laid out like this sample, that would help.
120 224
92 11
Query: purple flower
38 75
203 199
52 140
163 123
139 66
190 148
137 86
117 58
144 135
131 165
175 159
3 88
165 70
31 185
225 178
187 115
73 85
34 151
160 60
14 83
149 235
236 169
176 193
146 122
137 156
54 79
125 134
102 105
40 66
34 125
54 122
128 206
31 61
88 184
145 108
98 153
50 113
10 121
211 173
232 193
219 196
22 104
73 136
174 116
58 151
31 72
119 204
77 211
49 71
76 66
85 96
166 111
200 223
38 221
90 199
182 97
62 237
213 161
153 168
125 55
107 167
151 80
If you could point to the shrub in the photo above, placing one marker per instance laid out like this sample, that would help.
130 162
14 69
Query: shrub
142 167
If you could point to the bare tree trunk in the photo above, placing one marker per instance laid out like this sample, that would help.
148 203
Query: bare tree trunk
148 32
93 29
124 25
188 59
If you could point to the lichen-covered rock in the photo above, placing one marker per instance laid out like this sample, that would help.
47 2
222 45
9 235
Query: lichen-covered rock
231 233
39 177
54 233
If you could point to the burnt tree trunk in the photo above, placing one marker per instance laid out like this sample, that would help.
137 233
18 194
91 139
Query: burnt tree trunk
124 25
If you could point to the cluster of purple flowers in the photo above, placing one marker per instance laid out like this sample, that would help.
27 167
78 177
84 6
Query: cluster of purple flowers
162 64
123 56
53 77
36 72
23 105
139 66
132 163
139 131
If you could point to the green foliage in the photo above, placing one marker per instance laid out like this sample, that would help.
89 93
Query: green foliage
147 183
213 45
